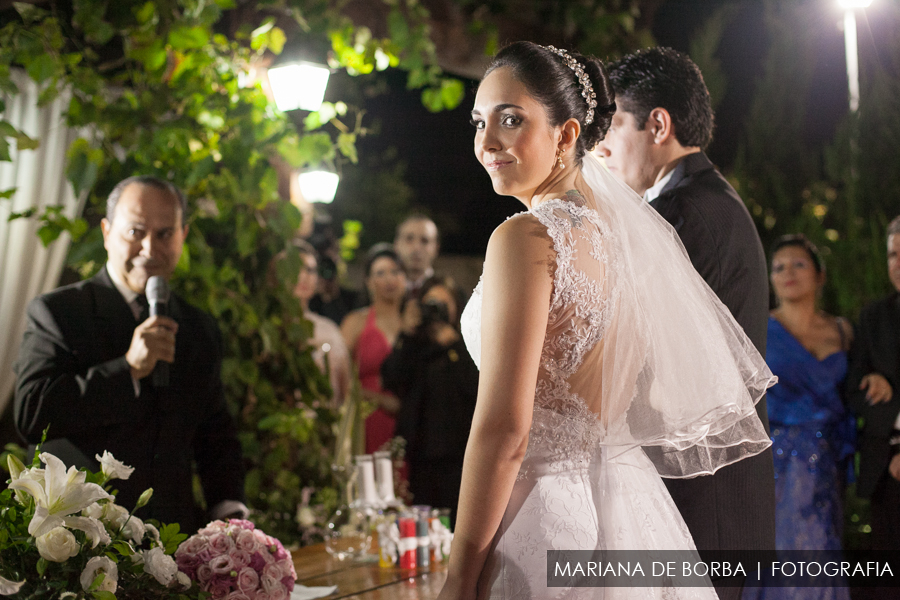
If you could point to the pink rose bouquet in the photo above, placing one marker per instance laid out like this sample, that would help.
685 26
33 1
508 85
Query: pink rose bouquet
236 561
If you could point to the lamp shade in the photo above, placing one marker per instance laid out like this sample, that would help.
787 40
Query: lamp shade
298 85
854 3
318 186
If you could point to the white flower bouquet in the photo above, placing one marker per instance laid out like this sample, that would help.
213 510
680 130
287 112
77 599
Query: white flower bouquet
63 536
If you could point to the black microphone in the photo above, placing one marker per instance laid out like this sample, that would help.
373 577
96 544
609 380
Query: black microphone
157 292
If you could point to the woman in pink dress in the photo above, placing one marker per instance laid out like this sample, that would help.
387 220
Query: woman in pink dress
370 333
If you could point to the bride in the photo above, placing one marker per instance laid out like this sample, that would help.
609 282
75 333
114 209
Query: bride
606 361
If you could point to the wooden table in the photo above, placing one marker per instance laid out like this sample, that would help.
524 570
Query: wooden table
366 580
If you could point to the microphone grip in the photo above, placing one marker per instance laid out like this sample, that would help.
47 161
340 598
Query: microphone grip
161 370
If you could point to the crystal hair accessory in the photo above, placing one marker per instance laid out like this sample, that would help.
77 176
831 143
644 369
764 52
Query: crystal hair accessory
587 90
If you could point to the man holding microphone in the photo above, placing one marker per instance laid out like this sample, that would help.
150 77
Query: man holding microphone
103 374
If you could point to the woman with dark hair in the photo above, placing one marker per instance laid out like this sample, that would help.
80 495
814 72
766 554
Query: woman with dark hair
329 349
436 381
813 434
605 360
370 333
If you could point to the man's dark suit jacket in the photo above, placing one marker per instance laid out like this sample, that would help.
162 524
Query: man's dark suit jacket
876 349
72 376
733 509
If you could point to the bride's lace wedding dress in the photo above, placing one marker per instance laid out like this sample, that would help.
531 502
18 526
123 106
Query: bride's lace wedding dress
602 393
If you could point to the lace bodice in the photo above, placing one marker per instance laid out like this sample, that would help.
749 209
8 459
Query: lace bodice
581 304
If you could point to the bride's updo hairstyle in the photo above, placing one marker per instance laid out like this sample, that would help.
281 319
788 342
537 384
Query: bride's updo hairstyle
551 82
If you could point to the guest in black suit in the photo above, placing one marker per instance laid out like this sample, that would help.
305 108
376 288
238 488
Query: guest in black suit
655 145
436 380
872 379
85 363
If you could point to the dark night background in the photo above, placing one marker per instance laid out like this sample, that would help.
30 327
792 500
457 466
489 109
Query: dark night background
447 179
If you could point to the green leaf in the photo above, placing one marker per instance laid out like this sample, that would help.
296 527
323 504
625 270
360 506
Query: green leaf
225 4
41 68
42 565
29 12
432 100
260 36
4 149
8 193
96 582
101 595
187 38
346 143
23 142
6 129
83 166
49 233
48 94
452 93
310 149
145 13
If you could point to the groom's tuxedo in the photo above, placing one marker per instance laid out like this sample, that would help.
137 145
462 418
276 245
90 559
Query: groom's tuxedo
72 376
734 509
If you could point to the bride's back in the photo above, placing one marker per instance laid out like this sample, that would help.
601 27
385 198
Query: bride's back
583 304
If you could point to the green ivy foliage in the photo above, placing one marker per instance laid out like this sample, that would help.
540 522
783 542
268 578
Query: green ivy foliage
157 87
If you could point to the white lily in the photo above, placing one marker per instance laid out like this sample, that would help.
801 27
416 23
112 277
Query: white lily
91 526
8 588
60 494
18 471
112 468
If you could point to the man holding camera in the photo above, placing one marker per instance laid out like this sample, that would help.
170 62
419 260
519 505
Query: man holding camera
436 381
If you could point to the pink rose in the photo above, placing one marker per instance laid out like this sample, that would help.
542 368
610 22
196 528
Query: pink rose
204 573
221 565
239 559
246 541
247 580
274 570
270 584
204 555
258 561
262 595
242 523
288 582
279 594
192 546
212 528
220 544
218 588
237 596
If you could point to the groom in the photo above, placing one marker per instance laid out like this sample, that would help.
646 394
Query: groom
655 145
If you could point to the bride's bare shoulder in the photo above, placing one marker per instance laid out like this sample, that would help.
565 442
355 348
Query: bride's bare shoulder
521 244
521 232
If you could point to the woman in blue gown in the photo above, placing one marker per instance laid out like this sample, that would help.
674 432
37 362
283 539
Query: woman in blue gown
813 434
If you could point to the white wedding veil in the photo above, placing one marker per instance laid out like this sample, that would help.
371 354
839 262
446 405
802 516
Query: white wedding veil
675 373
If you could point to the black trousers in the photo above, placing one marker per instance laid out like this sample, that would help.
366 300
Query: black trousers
886 514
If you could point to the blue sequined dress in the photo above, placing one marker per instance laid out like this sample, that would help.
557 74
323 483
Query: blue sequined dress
813 438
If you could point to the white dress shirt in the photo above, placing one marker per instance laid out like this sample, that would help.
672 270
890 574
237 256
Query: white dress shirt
652 193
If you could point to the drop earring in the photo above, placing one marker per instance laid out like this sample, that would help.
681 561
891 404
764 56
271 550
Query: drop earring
559 160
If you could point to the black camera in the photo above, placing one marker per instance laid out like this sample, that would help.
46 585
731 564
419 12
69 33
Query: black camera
434 311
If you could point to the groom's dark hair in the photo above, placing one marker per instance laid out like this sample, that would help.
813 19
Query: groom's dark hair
664 78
